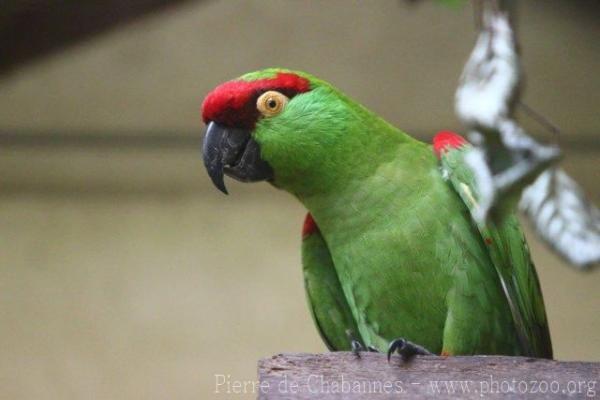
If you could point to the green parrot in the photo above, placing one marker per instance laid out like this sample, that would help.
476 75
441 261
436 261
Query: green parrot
392 259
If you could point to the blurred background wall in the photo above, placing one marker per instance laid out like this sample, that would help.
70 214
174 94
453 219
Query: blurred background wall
124 274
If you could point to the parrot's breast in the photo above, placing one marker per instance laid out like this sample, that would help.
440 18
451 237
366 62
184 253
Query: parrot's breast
403 244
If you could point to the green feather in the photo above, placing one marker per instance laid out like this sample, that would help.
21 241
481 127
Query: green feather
510 255
326 301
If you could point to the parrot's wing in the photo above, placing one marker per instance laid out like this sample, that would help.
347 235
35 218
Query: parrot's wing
326 301
507 248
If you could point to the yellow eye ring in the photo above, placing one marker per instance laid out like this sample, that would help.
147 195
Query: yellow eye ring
271 103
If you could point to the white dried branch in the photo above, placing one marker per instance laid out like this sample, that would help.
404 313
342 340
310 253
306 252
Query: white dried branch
507 158
563 217
491 77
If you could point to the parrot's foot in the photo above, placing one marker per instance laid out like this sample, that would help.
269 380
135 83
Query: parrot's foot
406 349
356 346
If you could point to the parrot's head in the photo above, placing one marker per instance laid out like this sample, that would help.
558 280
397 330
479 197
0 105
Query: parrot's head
285 127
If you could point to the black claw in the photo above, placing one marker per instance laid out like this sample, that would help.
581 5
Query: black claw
372 349
356 346
406 349
396 344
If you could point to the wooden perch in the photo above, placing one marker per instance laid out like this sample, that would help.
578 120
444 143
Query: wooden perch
344 376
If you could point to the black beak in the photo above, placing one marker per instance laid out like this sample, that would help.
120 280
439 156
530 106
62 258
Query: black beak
233 152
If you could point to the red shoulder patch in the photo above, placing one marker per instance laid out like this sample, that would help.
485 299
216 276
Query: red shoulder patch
309 226
445 139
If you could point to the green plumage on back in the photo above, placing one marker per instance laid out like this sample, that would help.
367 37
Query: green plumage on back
396 253
510 255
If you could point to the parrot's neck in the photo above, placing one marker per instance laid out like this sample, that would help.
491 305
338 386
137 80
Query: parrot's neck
386 174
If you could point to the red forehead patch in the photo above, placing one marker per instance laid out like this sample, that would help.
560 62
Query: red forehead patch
234 103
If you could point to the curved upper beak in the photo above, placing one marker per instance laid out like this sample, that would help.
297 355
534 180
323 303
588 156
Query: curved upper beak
233 152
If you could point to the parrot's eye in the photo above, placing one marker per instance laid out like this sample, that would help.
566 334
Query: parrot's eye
271 103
